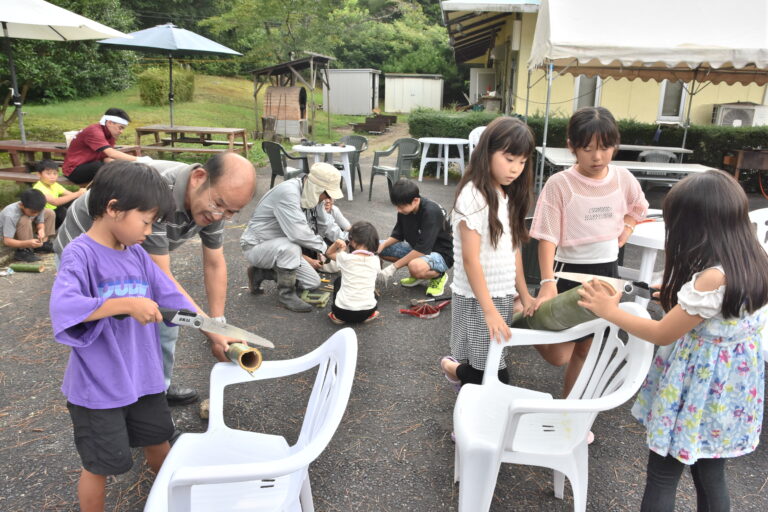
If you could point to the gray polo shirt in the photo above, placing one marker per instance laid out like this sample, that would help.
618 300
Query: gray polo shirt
166 236
9 218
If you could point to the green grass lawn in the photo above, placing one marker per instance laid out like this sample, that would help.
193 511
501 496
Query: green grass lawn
218 101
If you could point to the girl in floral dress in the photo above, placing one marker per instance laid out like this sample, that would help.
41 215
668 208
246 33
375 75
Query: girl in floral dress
702 401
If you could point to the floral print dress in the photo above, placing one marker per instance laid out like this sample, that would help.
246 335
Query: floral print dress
703 396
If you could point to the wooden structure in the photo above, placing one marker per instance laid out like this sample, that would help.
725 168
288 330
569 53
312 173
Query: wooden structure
286 75
749 159
202 135
20 152
286 110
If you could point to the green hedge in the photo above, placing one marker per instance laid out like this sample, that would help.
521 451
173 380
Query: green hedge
709 143
154 85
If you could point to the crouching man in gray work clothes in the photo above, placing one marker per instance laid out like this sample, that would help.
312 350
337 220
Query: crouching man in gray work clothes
205 196
289 221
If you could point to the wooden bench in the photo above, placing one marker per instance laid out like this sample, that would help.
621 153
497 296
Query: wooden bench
204 142
22 176
173 149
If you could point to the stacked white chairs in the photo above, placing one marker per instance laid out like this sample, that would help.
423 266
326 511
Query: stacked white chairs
225 469
496 423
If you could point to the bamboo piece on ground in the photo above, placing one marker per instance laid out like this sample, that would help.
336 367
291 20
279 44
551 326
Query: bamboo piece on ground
248 358
559 313
27 267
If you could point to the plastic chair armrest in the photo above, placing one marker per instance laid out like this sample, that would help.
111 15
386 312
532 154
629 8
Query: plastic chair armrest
379 154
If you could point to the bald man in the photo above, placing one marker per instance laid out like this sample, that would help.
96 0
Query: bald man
206 196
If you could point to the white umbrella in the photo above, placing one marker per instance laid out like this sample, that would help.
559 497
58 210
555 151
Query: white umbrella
37 19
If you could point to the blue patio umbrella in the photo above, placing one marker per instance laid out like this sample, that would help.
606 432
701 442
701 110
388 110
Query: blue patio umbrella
171 40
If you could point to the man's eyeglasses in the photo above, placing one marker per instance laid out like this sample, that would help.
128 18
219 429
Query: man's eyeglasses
217 210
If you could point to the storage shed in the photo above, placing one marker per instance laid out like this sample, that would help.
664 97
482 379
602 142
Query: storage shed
352 91
405 92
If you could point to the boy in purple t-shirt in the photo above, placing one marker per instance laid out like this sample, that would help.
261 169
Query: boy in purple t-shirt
114 379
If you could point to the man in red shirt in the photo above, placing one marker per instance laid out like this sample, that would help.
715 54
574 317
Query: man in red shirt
94 146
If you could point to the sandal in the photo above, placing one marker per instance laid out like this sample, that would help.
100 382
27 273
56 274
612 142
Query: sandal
372 317
334 319
456 382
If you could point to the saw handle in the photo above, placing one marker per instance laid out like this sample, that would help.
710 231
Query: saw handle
168 314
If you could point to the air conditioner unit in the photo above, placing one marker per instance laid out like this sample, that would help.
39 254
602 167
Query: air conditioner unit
740 114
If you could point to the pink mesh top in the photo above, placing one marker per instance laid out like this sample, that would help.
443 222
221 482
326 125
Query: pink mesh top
575 210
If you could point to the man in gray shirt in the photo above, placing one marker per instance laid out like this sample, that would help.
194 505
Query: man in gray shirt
205 197
289 221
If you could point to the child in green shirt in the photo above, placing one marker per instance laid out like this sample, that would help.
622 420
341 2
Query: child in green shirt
56 196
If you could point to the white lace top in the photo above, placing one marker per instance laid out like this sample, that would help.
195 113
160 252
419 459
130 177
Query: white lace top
498 263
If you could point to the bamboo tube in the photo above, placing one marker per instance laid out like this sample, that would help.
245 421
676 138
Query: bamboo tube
27 267
559 313
247 357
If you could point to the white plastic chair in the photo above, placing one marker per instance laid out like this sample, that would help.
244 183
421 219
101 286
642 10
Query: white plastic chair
497 423
225 469
760 219
474 137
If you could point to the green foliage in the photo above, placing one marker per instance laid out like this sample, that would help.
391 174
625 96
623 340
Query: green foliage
154 85
709 143
59 70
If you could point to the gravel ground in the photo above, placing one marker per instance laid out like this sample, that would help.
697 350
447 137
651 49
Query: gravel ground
392 451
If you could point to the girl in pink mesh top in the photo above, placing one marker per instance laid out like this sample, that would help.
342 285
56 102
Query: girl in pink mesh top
583 216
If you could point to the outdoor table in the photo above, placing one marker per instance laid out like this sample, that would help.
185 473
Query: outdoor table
649 236
640 148
443 145
327 149
562 158
192 135
20 153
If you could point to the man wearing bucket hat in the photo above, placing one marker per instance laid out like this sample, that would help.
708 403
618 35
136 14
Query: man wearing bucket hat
288 227
94 146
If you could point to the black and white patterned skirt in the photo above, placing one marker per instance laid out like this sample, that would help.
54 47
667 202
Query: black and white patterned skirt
469 332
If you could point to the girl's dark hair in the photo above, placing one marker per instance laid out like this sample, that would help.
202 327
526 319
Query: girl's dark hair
707 223
364 235
509 135
587 122
41 165
135 186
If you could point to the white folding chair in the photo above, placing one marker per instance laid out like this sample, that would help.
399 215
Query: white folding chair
497 423
474 137
760 219
226 469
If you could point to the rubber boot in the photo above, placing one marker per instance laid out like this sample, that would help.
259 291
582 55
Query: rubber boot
286 291
256 276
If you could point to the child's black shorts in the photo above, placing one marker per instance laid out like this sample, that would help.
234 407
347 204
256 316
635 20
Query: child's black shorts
104 437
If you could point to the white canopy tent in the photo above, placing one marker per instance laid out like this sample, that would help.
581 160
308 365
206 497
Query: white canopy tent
704 41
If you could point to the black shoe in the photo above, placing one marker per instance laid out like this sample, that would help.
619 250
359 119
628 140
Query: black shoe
46 247
25 255
180 396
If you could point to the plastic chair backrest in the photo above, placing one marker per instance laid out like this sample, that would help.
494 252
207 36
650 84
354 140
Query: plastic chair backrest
760 219
474 137
360 143
407 152
274 152
658 156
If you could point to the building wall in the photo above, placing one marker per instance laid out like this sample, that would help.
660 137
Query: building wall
352 92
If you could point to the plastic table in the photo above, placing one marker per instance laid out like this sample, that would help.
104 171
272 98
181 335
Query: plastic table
649 236
443 145
327 149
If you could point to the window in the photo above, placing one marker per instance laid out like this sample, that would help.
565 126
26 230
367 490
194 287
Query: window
586 92
671 101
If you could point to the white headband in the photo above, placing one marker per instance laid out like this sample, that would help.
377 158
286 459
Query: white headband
114 119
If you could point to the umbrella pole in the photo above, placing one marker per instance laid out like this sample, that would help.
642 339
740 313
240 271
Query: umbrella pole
688 117
170 84
15 96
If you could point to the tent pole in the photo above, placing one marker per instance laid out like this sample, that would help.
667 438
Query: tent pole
540 177
170 84
15 96
688 117
527 95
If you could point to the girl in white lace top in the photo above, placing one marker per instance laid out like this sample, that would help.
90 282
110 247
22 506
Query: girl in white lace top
702 401
488 226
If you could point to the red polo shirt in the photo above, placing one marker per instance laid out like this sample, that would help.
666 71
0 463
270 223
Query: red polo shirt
87 146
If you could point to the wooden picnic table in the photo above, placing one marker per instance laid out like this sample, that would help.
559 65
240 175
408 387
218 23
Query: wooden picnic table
166 137
20 153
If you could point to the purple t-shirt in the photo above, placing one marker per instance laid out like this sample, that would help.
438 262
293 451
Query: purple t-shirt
113 362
